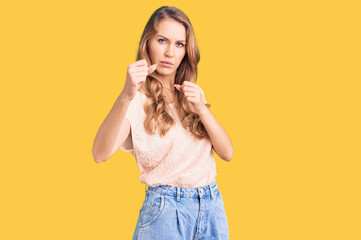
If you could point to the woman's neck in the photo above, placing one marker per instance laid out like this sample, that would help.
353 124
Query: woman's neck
170 95
168 80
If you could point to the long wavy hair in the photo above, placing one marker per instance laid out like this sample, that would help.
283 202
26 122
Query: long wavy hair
155 108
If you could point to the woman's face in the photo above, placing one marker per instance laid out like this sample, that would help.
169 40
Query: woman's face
168 45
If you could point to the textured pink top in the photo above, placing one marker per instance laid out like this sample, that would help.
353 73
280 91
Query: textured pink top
176 159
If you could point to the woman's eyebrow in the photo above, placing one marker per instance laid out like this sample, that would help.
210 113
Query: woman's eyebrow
168 39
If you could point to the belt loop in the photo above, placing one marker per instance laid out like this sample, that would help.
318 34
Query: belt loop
212 193
178 194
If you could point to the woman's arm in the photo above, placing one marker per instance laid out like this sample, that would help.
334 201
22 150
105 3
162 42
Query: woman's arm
113 131
220 140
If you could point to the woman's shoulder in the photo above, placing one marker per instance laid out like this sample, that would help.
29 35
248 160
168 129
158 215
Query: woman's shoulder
138 96
141 96
140 93
136 104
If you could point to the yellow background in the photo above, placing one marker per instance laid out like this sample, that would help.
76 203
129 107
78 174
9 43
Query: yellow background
283 78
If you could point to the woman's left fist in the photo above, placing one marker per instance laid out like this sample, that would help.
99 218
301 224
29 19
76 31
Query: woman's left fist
194 95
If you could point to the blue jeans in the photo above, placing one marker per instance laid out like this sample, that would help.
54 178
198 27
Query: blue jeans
179 213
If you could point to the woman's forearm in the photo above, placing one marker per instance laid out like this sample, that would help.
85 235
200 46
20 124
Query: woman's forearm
109 129
219 138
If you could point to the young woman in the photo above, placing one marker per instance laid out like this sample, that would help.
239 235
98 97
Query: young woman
162 118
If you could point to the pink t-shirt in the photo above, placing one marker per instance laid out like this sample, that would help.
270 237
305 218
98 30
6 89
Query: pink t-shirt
176 159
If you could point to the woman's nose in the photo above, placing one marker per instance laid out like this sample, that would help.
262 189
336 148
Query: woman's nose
169 51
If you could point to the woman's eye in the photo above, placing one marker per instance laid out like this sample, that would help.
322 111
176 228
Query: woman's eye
164 40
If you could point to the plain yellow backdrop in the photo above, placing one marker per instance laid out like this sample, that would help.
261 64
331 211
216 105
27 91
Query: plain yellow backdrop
283 79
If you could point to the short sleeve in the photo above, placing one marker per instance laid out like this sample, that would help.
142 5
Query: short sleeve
131 115
126 146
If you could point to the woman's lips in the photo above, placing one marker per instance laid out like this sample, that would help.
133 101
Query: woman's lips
166 64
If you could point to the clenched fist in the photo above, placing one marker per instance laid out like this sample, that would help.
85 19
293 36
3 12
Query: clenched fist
194 95
136 74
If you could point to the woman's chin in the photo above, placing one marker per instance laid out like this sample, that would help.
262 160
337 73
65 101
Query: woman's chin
164 71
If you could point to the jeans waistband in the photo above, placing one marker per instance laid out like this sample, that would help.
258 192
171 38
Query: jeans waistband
179 192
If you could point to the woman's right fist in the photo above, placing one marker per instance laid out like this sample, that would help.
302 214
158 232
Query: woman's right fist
136 74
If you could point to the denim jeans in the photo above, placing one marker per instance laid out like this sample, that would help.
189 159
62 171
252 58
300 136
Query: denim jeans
179 213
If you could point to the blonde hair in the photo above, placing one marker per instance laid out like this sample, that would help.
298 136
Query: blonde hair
157 115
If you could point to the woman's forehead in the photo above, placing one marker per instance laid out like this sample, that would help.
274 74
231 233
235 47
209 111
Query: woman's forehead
171 30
